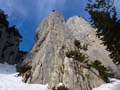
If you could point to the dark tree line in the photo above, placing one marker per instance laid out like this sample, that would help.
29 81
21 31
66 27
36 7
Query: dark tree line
4 23
9 37
3 19
104 17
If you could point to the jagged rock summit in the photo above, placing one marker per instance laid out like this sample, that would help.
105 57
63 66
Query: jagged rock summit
54 37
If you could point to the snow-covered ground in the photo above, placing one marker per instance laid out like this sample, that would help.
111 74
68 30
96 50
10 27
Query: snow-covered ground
9 81
114 85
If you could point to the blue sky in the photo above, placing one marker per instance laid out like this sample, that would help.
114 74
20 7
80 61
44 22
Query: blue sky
27 14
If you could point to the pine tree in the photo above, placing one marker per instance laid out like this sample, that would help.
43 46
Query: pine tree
12 38
3 19
104 17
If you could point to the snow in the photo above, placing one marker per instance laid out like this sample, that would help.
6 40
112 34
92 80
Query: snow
114 85
60 84
9 80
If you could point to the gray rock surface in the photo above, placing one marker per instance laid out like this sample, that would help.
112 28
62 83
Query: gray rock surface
86 34
54 37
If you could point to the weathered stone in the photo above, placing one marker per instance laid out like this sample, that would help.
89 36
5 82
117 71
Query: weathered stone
54 37
86 34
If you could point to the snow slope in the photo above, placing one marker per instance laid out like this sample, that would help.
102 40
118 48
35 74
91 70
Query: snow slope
9 81
114 85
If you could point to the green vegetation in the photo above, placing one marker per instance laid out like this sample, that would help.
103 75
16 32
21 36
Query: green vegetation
60 88
4 24
77 44
76 55
104 18
3 19
80 57
103 71
85 47
23 69
11 32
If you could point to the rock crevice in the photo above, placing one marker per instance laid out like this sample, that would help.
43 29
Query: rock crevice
54 37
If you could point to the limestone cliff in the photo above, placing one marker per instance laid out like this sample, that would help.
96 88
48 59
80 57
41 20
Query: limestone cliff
54 37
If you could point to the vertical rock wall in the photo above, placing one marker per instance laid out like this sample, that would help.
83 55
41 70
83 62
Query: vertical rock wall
54 37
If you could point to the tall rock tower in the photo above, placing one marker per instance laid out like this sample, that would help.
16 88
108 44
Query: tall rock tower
54 37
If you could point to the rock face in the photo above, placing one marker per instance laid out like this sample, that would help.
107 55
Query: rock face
54 37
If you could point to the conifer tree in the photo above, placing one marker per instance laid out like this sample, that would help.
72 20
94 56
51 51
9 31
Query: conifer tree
12 38
104 17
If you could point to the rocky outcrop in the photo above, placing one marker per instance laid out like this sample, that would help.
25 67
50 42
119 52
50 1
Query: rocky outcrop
54 37
86 34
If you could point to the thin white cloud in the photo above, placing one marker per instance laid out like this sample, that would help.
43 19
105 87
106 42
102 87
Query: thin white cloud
13 7
44 7
18 8
117 4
